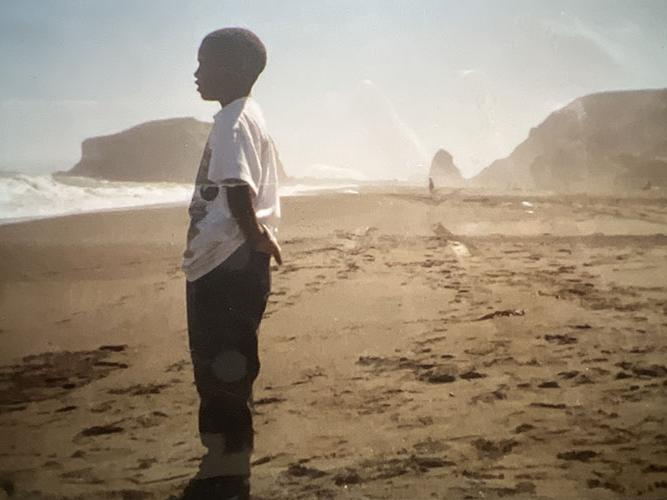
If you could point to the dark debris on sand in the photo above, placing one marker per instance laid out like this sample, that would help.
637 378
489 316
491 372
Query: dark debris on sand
51 374
503 313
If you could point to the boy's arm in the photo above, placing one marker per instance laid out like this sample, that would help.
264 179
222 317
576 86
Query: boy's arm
239 198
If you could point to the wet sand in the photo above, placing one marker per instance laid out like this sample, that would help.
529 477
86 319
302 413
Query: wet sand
470 346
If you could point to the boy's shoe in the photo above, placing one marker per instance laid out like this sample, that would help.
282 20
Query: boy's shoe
217 488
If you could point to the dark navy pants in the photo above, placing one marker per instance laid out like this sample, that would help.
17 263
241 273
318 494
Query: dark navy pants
224 310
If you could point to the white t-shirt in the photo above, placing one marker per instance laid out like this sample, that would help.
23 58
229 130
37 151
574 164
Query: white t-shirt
238 148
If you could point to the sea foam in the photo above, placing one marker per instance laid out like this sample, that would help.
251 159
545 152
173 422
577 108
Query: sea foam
25 197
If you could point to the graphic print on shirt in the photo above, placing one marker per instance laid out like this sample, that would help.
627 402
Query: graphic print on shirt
205 191
238 148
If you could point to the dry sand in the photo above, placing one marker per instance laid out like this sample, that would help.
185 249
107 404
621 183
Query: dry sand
468 347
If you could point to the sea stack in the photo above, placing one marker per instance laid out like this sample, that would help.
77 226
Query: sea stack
443 172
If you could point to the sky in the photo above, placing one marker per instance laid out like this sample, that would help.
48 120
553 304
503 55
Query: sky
366 88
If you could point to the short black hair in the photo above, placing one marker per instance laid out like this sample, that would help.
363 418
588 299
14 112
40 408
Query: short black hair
239 48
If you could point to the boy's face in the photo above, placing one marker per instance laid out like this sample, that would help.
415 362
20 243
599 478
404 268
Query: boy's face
212 78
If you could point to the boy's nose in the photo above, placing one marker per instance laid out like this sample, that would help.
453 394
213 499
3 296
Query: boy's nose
196 73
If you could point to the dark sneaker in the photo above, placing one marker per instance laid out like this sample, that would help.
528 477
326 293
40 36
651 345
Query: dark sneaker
217 488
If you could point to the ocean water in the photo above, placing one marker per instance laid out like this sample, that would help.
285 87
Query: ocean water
26 197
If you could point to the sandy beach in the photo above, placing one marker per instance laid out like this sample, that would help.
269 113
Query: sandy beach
475 345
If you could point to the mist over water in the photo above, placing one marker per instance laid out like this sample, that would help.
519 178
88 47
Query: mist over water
366 138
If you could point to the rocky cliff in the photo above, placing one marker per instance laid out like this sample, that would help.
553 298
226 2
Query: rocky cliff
156 151
444 173
605 141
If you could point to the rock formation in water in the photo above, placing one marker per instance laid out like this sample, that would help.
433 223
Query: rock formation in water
443 172
156 151
600 142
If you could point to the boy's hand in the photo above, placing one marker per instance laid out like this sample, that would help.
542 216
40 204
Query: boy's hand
266 243
259 238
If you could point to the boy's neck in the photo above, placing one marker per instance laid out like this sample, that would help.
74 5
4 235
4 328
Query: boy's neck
229 99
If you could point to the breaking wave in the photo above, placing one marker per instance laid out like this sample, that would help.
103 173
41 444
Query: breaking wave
25 197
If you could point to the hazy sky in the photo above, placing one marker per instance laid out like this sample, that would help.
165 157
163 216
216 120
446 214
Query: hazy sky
374 86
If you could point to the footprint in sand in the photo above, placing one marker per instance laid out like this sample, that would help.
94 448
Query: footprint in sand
499 394
148 420
347 477
472 374
560 339
605 484
81 476
438 376
300 470
578 455
643 370
268 401
138 389
549 384
100 430
520 429
494 450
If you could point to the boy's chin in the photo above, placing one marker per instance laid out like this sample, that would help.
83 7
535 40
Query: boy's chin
208 97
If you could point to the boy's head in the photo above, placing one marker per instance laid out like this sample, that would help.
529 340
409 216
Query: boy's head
230 60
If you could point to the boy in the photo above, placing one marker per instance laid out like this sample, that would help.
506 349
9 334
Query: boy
234 214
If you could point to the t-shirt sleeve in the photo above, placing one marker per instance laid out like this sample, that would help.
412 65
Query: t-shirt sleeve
231 158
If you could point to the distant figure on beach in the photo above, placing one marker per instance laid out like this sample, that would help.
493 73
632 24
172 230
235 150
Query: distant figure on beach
234 215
